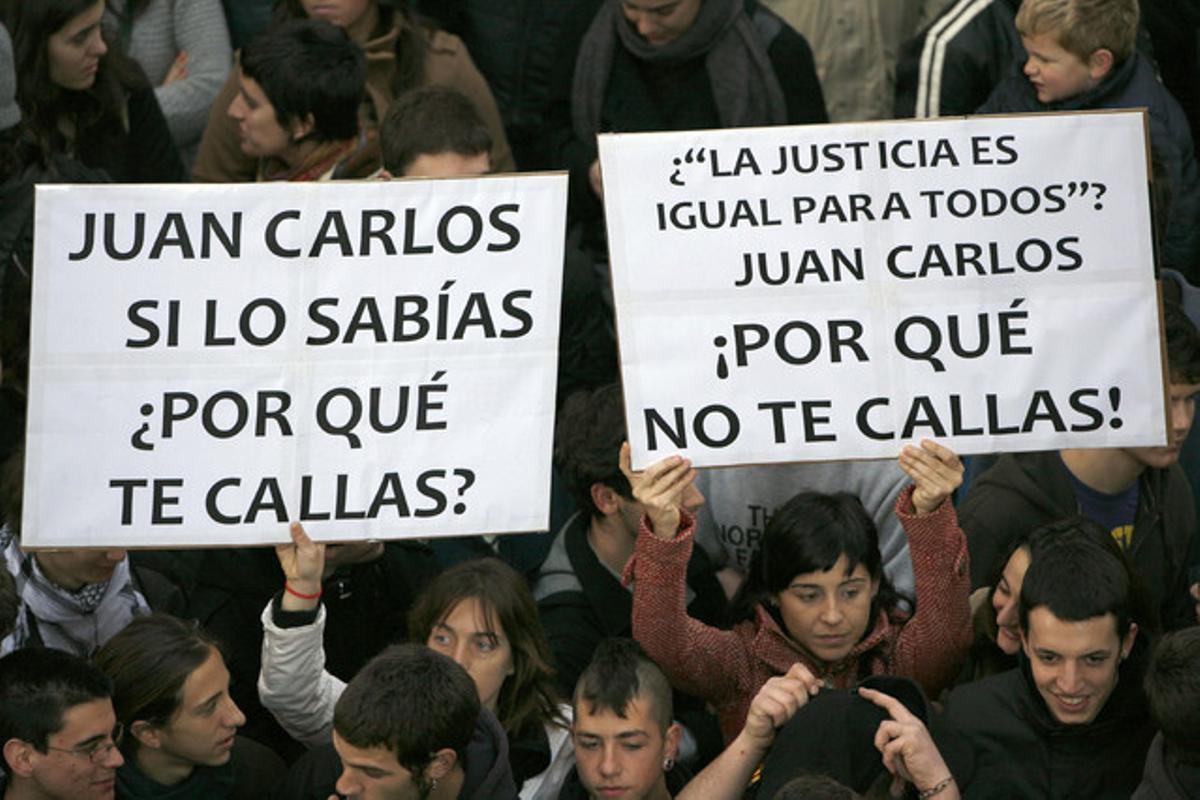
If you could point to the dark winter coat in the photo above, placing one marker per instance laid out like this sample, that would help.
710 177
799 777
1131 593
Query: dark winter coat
1133 84
1005 743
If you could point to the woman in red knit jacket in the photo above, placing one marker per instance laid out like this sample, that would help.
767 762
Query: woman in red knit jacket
816 592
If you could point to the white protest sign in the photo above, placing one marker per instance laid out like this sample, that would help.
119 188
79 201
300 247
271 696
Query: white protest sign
836 291
374 359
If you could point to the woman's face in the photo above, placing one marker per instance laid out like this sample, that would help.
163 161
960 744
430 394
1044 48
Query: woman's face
343 13
478 644
660 22
827 613
1004 601
75 49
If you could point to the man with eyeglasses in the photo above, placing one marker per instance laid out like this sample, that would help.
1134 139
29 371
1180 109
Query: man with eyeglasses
59 734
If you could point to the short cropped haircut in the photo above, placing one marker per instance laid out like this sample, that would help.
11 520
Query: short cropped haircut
1183 344
431 121
310 66
38 685
619 672
1082 27
412 701
1173 692
1077 579
587 444
148 662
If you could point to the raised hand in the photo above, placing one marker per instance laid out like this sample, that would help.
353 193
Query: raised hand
935 470
660 489
303 564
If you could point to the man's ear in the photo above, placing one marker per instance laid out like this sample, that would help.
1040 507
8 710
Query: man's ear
1127 642
19 756
1100 63
605 498
302 126
442 764
146 734
673 737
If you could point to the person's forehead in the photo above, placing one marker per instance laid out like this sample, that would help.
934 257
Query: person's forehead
652 5
378 757
1018 563
1181 388
836 575
466 618
205 680
1044 43
84 721
1070 637
638 719
253 90
85 19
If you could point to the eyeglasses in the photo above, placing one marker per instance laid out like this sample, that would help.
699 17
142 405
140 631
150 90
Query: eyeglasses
96 751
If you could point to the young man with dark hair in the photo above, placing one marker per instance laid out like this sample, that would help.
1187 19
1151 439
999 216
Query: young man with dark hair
171 692
579 591
297 109
434 132
58 731
1071 720
625 740
409 726
1140 494
1173 690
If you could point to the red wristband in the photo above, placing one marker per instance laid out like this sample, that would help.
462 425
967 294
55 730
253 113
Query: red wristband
287 588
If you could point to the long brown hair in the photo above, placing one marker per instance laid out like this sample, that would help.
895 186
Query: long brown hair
148 663
528 697
99 109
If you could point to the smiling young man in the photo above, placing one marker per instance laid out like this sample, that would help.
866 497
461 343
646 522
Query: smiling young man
58 731
1071 720
625 741
1139 494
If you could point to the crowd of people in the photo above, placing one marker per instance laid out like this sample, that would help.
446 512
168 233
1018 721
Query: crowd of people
1008 626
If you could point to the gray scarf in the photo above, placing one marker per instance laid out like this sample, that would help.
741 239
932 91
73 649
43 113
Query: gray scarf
743 81
78 622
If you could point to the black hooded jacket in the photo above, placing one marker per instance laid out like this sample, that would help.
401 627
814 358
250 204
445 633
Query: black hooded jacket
1008 744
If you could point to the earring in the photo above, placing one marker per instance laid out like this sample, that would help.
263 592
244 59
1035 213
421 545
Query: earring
668 764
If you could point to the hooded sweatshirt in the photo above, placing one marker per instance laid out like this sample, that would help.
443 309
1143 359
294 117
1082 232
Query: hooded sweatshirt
488 774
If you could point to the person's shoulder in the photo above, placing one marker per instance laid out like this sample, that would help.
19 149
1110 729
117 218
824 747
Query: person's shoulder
445 44
556 576
981 703
313 777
